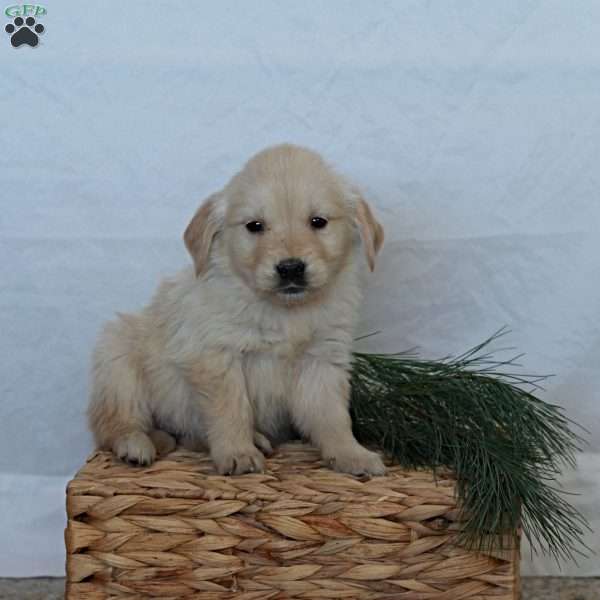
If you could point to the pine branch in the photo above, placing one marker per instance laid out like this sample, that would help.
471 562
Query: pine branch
474 415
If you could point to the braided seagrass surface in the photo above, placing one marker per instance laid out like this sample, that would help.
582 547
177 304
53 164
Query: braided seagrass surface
177 530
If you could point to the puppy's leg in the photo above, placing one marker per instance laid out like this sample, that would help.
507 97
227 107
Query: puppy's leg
319 408
228 415
118 414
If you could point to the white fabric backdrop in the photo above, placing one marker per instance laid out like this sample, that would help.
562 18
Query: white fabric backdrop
473 127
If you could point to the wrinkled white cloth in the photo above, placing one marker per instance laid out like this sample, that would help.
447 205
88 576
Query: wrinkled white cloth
473 128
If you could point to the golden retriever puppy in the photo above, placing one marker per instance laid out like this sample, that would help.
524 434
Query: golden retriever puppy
253 342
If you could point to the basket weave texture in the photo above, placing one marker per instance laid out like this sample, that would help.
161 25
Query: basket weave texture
177 530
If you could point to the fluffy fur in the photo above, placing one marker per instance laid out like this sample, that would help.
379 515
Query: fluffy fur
222 357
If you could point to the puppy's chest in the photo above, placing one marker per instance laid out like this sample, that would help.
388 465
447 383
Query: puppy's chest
283 343
273 357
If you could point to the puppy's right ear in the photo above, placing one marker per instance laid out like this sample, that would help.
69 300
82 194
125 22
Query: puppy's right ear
201 231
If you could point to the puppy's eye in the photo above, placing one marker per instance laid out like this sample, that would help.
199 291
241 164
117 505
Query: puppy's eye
255 226
318 222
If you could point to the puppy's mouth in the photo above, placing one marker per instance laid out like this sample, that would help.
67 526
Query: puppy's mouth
291 290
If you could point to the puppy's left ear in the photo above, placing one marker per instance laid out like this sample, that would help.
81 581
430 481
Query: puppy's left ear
201 231
371 232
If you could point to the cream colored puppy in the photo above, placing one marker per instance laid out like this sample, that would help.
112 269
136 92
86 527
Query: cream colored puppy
254 342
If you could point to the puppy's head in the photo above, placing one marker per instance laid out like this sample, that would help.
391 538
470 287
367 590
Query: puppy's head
288 223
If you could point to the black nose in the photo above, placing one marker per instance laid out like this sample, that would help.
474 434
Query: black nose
291 269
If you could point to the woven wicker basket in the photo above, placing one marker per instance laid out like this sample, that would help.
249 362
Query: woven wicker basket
176 530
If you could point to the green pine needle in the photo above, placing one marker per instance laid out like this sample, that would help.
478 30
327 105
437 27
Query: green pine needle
472 414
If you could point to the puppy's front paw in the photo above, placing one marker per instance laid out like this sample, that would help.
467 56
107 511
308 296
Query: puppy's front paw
163 442
356 460
237 462
262 443
135 448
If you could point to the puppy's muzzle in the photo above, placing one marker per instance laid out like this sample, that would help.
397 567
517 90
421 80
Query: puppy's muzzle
292 275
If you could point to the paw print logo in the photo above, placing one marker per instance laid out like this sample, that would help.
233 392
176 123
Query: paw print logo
24 32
